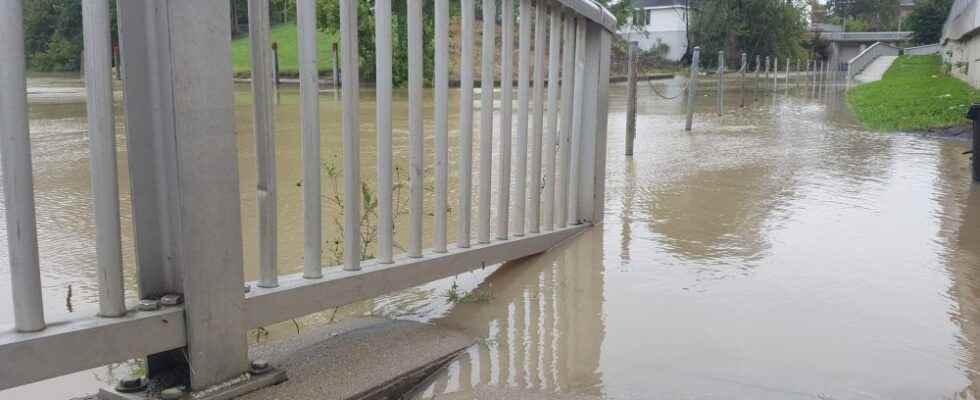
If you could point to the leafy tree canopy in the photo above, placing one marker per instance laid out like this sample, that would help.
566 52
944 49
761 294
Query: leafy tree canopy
762 27
927 19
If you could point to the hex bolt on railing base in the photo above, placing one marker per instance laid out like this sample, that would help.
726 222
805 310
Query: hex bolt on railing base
261 375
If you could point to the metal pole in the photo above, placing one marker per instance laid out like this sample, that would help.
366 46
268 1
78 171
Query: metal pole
309 88
18 178
578 109
351 134
631 98
565 128
486 119
744 65
537 122
464 210
382 43
519 152
416 134
441 89
721 82
523 105
168 53
692 87
102 139
265 142
551 134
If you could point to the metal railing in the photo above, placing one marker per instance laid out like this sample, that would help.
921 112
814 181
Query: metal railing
183 169
866 57
923 50
899 36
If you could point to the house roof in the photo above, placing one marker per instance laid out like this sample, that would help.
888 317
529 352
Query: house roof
658 3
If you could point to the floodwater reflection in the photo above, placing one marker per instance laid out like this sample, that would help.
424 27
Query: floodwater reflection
777 251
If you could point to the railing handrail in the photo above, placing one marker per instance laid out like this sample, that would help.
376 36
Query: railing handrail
859 62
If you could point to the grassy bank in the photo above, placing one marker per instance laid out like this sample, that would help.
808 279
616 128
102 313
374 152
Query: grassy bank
913 95
285 36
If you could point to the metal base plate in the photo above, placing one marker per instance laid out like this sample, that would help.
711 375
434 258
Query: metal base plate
232 389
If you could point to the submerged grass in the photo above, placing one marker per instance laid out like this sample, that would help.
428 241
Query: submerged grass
285 37
914 95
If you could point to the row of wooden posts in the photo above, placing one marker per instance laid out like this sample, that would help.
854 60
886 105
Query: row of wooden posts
820 72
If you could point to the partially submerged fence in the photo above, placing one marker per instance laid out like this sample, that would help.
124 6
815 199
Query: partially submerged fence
869 55
184 174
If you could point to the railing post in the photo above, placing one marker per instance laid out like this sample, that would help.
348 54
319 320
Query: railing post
631 99
18 178
692 87
595 92
721 81
180 112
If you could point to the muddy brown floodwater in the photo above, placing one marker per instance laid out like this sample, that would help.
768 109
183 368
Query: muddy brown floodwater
777 251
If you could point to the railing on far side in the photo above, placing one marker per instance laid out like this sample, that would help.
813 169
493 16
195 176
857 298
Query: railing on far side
866 57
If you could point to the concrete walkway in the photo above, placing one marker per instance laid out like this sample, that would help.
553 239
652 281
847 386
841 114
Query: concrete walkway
357 359
876 70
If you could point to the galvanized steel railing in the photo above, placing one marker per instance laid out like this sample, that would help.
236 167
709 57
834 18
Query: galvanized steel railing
867 56
184 174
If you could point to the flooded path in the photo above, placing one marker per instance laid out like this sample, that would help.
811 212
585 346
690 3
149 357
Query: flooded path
774 252
777 251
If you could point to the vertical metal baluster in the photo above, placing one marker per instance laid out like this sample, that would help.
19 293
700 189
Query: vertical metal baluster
18 177
578 109
523 103
309 88
506 114
464 210
565 128
102 147
265 142
551 134
537 130
416 135
442 123
486 119
349 87
382 43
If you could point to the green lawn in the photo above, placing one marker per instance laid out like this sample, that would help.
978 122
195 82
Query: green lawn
913 95
285 36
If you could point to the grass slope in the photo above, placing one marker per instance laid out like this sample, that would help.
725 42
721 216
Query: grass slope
285 36
913 95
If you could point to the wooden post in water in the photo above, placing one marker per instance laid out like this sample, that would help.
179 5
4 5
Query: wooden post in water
721 82
744 65
692 87
335 69
768 63
775 72
631 98
275 62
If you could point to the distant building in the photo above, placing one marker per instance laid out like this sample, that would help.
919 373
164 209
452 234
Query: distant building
961 41
659 21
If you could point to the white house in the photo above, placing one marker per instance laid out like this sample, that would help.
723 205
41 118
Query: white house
659 21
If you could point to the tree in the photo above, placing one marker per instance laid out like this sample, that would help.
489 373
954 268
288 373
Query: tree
874 15
53 34
328 20
763 27
927 19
